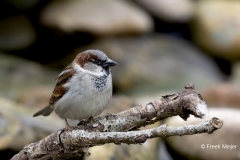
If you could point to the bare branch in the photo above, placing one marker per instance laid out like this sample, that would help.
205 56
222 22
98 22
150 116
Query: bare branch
81 138
111 128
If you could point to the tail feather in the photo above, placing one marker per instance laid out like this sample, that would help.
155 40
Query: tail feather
46 111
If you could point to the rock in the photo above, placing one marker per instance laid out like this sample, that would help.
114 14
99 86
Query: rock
106 17
19 128
222 95
170 11
16 33
235 76
216 28
119 152
119 103
23 80
24 86
39 98
149 64
190 146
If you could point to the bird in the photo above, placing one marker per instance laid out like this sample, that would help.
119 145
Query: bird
83 89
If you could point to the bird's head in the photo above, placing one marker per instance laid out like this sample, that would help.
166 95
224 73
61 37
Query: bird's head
94 61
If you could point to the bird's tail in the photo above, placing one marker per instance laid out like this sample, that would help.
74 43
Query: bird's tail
46 111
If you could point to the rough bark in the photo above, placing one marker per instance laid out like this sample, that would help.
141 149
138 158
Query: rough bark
114 128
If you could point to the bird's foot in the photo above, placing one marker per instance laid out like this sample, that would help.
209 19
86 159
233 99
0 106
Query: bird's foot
82 122
68 127
85 122
91 120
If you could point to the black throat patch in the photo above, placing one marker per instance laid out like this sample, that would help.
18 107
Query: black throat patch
100 82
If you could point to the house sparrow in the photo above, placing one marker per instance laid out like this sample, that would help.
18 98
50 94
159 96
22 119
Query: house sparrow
83 88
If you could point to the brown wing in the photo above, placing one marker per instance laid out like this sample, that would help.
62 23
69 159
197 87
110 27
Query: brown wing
61 79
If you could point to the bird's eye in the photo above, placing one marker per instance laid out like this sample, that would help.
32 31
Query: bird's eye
97 61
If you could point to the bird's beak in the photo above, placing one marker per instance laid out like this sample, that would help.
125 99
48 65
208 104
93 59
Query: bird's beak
109 63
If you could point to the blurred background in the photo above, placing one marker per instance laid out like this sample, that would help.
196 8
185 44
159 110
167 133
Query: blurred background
159 45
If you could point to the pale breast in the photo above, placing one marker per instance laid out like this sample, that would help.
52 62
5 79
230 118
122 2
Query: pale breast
87 96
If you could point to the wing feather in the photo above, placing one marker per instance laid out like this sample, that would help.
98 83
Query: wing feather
61 79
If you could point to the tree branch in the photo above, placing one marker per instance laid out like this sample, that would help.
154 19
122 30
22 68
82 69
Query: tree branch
115 128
